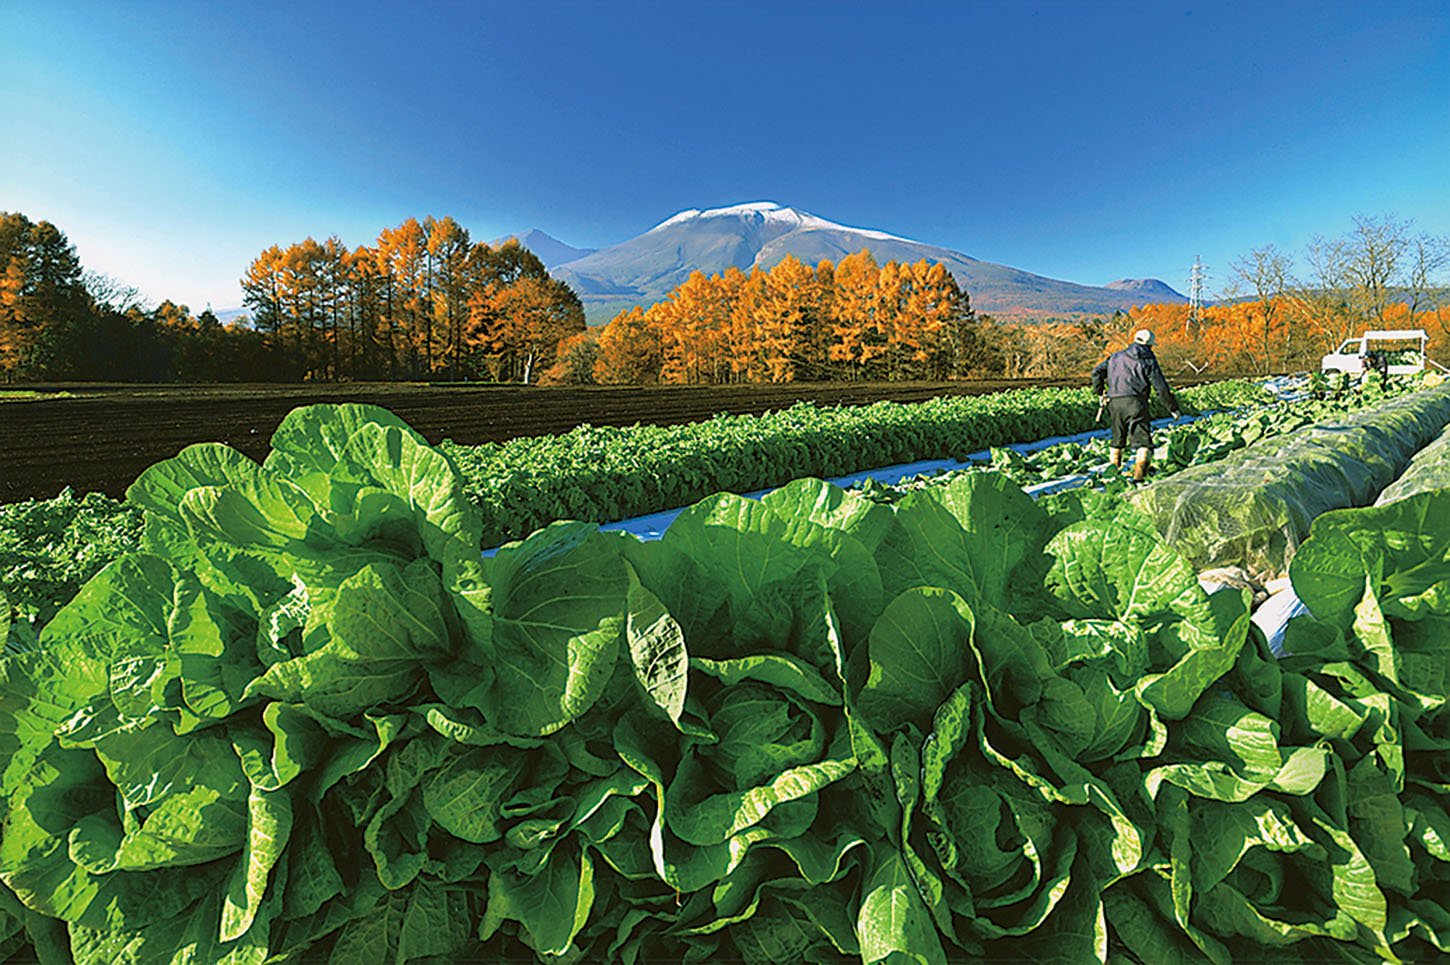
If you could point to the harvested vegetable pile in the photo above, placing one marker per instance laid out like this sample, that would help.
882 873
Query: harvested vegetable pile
310 722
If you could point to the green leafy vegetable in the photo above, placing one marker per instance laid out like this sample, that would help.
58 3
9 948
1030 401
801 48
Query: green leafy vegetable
309 721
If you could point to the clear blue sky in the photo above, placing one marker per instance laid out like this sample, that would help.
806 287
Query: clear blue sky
1082 140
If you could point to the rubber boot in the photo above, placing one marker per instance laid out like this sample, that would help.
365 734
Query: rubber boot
1115 456
1140 470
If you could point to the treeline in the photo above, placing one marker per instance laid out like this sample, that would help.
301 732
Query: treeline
849 321
858 320
425 302
1276 312
422 302
59 322
1223 340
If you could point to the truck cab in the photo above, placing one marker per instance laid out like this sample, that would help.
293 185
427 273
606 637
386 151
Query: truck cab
1404 348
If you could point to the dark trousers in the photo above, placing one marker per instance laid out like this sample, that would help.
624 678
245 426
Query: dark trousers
1128 416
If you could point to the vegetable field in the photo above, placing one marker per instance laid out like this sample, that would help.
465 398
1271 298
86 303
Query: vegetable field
99 438
602 473
305 720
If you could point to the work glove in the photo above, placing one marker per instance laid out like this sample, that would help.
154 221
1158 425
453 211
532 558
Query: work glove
1176 415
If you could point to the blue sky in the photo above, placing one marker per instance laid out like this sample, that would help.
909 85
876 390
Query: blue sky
1082 140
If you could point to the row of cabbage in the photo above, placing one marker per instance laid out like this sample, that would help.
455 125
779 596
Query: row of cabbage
602 473
1239 490
309 722
49 547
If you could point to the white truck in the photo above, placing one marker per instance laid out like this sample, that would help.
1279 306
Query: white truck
1403 348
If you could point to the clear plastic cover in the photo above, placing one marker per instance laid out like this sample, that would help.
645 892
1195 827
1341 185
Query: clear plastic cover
1253 508
1430 469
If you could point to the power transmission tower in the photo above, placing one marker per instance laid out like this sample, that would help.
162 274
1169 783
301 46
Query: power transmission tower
1196 276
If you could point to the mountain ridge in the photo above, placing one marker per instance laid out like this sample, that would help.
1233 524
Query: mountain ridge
759 234
550 250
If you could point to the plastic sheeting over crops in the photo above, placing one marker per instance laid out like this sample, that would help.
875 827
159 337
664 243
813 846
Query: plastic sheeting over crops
1430 469
1254 508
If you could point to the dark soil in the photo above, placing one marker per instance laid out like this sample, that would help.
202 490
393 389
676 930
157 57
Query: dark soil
101 437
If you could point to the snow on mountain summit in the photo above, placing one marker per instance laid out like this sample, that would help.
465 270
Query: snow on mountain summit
772 213
760 234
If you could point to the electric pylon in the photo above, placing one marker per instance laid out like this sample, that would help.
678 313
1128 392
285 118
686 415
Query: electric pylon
1196 276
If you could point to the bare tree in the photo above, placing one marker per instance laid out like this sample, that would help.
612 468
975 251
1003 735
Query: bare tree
1351 284
1375 249
1322 298
1425 284
1265 272
110 293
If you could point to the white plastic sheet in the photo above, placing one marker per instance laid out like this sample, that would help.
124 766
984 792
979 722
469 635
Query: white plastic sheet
1274 614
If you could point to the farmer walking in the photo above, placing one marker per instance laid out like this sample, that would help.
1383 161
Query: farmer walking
1124 380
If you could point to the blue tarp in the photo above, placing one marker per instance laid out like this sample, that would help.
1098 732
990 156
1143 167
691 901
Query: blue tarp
1271 617
653 525
1288 388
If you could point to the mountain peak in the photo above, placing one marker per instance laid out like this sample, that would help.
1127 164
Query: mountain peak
750 210
760 234
550 250
1150 288
776 215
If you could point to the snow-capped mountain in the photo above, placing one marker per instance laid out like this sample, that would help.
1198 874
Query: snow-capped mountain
770 213
644 269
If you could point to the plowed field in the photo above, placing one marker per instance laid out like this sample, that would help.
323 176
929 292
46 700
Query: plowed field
101 437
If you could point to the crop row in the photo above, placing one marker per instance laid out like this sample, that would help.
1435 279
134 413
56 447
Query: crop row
1202 441
1239 490
1430 469
599 474
49 547
310 722
1254 507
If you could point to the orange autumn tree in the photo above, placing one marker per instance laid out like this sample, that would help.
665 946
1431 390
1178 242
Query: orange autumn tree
16 327
855 336
851 320
423 301
1228 339
450 282
402 252
629 351
368 347
785 314
577 355
40 289
515 328
693 326
929 337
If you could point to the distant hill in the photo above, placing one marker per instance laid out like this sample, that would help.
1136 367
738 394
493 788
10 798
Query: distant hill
550 250
229 315
1150 290
644 269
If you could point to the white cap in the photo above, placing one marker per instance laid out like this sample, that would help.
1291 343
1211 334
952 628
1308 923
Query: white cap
1143 337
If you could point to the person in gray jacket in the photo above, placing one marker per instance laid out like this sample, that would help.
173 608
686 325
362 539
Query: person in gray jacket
1124 379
